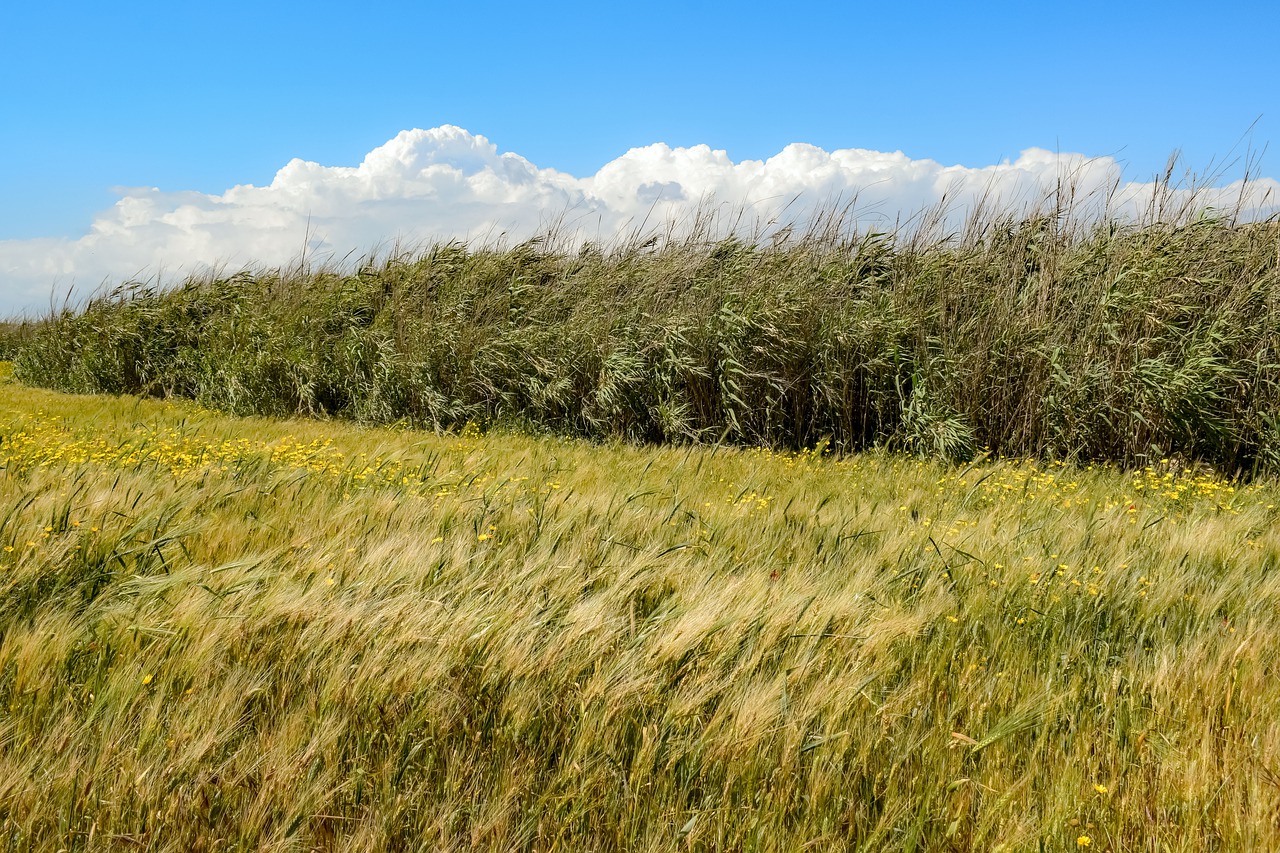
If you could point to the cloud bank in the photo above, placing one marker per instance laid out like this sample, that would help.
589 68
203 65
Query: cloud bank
446 183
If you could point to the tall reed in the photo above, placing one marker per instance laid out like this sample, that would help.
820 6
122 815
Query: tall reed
1037 335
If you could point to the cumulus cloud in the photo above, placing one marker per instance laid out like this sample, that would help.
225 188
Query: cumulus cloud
446 183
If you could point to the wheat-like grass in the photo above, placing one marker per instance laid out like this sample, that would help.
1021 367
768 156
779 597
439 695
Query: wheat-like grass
256 634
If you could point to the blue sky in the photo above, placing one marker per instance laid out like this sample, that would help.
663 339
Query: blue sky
203 97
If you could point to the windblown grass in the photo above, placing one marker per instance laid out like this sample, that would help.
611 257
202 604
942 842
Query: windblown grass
294 635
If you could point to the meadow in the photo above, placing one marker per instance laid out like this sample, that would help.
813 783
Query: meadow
222 633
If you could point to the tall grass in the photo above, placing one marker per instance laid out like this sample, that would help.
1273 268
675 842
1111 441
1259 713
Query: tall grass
14 335
247 634
1046 335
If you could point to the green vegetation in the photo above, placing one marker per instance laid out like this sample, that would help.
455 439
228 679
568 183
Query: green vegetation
14 335
656 575
295 635
1036 337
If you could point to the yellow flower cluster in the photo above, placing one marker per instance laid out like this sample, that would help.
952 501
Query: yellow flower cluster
37 440
33 441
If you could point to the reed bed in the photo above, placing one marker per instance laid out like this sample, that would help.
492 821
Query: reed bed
1049 334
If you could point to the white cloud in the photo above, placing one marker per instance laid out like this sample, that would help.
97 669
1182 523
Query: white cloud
446 183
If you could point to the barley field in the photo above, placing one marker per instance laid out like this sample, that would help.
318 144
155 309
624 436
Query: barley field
222 633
